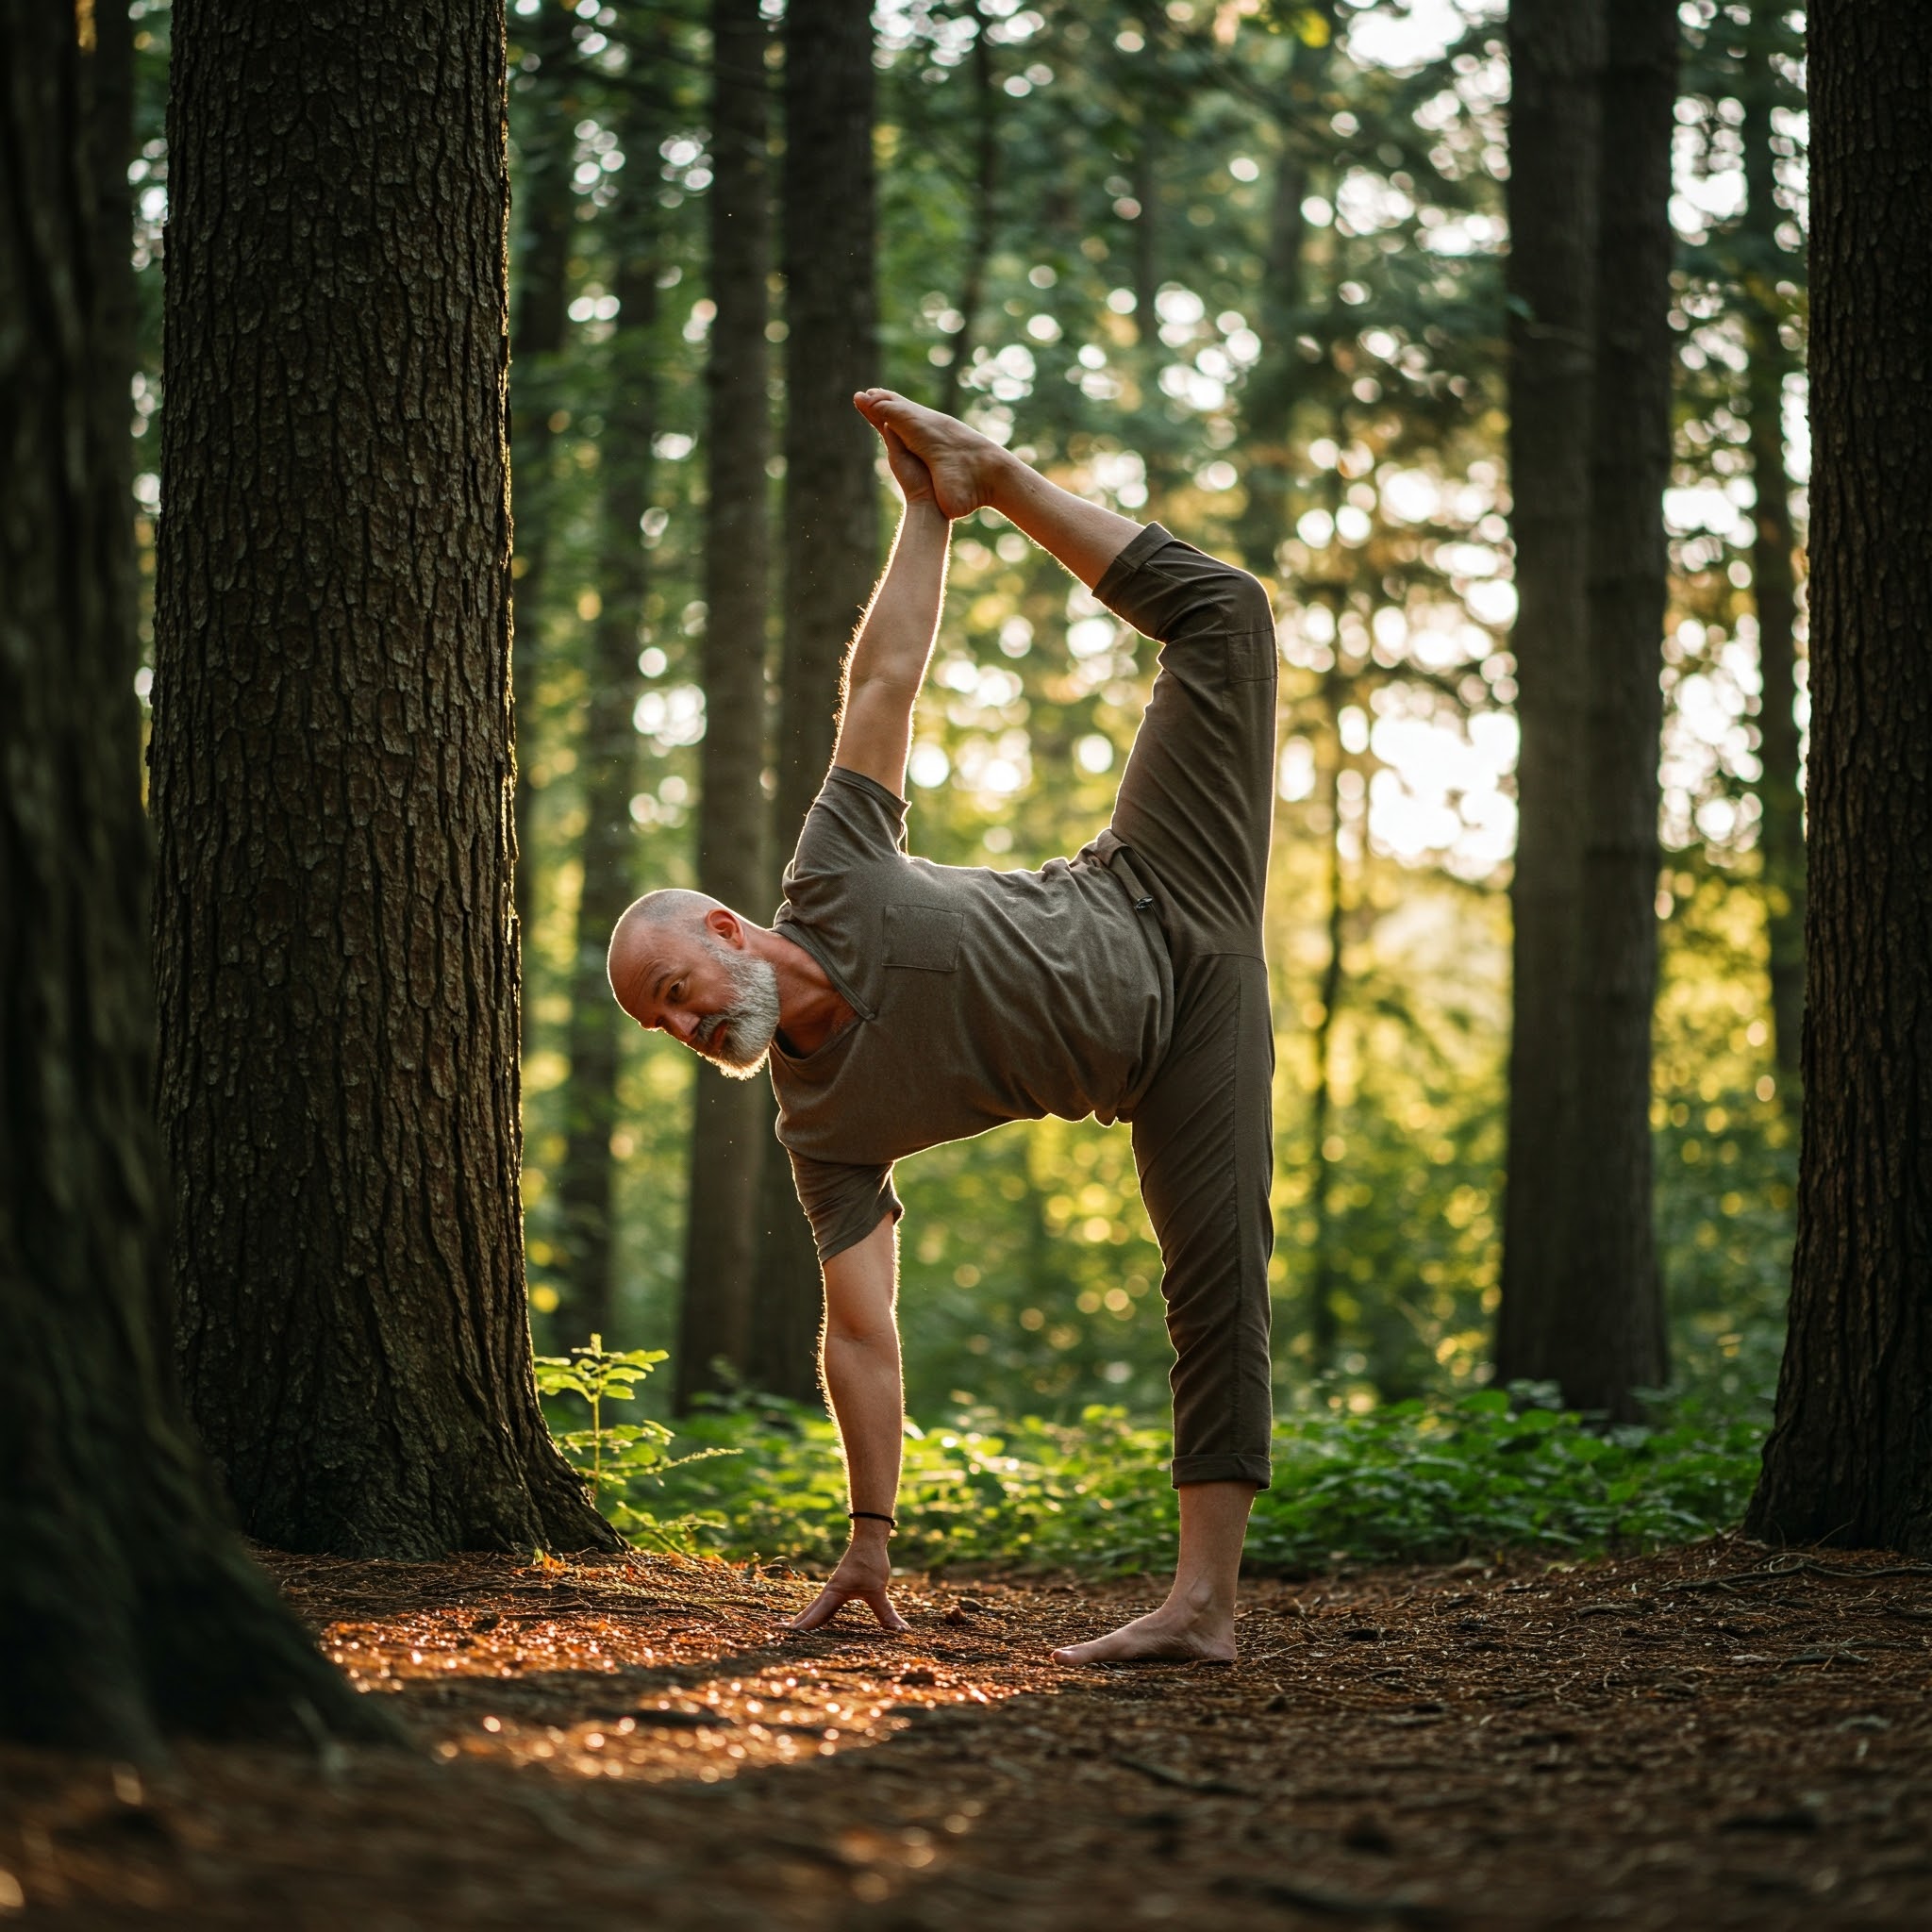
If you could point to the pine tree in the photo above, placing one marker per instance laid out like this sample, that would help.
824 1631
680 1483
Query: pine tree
128 1608
1850 1457
331 783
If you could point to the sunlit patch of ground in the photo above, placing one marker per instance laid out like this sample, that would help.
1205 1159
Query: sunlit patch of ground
1715 1736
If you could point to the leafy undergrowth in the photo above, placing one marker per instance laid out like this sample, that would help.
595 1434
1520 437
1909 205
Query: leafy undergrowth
1412 1481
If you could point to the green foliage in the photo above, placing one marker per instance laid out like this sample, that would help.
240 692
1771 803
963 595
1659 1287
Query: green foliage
1243 274
617 1459
1416 1480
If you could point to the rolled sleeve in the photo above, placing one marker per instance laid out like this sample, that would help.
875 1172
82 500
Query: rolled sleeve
1169 591
844 1200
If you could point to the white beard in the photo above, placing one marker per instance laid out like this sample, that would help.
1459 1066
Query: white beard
737 1039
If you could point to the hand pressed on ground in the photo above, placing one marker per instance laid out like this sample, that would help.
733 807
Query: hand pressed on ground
863 1575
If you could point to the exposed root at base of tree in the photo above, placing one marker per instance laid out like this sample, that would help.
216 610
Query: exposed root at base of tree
619 1742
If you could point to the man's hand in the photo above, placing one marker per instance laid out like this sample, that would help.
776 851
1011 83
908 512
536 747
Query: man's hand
863 1573
908 472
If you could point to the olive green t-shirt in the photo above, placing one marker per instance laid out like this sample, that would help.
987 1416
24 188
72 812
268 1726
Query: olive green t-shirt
981 997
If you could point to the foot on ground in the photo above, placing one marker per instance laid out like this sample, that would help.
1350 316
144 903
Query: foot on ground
964 463
1163 1636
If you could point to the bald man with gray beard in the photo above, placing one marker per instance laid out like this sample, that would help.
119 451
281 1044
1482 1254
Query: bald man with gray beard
899 1003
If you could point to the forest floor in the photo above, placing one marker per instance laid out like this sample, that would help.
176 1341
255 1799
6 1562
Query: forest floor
1715 1736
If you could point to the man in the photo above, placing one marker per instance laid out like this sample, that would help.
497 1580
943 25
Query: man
903 1004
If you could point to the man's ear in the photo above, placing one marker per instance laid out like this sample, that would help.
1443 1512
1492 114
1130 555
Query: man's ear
726 927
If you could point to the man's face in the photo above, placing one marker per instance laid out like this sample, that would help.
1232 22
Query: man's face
705 989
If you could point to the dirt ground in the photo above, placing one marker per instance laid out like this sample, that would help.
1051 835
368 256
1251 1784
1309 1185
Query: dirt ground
1719 1736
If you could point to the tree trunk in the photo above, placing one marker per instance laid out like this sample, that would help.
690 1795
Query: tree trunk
1608 1340
1156 454
127 1607
1556 52
1781 827
985 223
1267 399
542 325
1325 1326
607 756
331 781
831 522
1849 1458
731 1120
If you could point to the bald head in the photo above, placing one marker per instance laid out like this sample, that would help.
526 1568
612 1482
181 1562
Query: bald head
682 961
670 911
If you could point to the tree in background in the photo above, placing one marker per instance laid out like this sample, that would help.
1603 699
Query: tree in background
331 782
831 533
1766 273
128 1607
731 1119
539 332
608 749
1555 121
1592 127
1607 1340
1850 1458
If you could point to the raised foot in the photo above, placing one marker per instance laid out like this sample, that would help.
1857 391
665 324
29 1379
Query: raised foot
965 466
1161 1636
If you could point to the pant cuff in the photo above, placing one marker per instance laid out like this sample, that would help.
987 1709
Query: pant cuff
1222 1469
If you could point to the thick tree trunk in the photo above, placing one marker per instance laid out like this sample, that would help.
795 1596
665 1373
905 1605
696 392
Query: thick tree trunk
731 1120
831 523
1608 1340
607 762
1773 578
1556 54
331 781
540 328
127 1607
1849 1458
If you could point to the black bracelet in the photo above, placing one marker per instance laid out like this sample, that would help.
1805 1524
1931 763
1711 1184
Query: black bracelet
874 1516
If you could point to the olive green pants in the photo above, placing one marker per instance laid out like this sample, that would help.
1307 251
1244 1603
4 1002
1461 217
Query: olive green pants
1189 833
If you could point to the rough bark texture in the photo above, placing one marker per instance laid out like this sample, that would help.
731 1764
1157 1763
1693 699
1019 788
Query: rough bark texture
1606 1340
127 1607
731 1120
831 524
608 753
1774 576
540 327
331 782
1850 1458
1556 51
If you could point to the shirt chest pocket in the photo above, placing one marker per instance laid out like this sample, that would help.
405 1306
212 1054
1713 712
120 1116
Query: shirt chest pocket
924 938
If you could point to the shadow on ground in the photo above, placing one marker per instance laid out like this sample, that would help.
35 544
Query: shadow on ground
1713 1736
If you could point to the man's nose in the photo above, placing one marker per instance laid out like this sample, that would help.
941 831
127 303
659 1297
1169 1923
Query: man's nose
682 1024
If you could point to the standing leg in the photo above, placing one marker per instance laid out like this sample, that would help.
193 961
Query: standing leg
1203 1138
1197 1618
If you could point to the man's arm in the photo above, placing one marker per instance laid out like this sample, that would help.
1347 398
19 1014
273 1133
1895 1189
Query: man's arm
862 1376
887 664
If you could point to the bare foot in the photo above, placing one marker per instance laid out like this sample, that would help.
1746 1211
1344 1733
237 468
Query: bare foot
1168 1635
965 465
